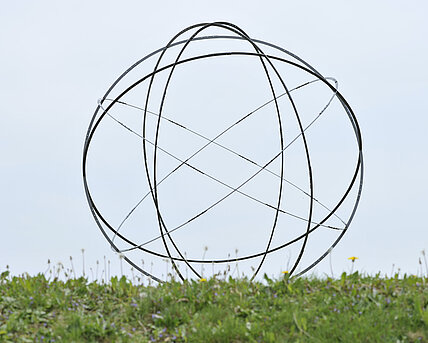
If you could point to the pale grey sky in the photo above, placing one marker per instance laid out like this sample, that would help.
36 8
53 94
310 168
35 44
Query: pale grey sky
58 58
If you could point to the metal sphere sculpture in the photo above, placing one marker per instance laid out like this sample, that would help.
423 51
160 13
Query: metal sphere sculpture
270 57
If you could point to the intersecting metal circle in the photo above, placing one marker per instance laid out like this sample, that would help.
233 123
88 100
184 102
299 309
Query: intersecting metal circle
268 63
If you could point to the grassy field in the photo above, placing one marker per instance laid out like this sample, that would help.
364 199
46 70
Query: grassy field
353 308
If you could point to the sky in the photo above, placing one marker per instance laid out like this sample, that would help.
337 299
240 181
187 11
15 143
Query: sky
59 58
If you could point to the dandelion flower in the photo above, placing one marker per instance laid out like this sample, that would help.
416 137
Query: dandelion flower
285 272
353 258
203 280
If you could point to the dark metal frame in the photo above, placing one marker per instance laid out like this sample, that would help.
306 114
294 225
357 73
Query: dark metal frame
267 61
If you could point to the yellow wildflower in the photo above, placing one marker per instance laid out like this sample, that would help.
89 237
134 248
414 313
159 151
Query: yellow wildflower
203 280
285 272
353 258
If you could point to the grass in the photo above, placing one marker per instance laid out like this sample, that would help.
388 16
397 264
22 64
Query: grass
353 308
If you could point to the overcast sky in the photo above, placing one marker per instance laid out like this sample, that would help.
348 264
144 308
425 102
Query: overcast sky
57 59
